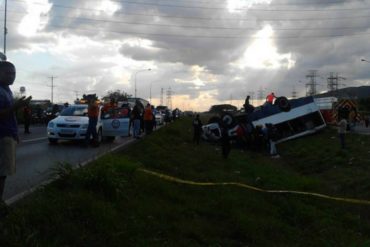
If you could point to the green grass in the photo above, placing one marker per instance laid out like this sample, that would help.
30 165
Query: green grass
112 203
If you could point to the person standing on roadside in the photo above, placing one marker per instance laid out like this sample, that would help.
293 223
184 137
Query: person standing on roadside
27 115
148 119
197 129
136 120
93 114
367 121
342 127
225 141
8 123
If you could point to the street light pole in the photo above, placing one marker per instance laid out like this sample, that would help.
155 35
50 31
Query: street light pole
150 93
136 74
5 29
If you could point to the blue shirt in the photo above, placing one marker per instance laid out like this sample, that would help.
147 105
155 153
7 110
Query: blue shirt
8 125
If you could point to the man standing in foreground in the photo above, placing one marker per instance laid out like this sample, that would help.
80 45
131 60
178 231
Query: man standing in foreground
8 123
197 129
93 114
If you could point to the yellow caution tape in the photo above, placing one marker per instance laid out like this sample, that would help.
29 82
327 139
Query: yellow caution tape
182 181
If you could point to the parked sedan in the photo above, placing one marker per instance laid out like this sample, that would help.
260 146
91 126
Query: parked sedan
73 121
159 118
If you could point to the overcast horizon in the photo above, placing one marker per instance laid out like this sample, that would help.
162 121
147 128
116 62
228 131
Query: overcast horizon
207 52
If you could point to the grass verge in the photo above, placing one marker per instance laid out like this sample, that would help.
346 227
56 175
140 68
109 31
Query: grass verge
112 203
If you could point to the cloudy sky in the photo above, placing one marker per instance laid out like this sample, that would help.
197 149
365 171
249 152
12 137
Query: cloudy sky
204 52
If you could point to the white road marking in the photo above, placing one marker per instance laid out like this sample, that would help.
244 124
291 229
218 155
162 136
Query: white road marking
35 139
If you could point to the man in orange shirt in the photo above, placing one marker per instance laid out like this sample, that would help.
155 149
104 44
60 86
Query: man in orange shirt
148 119
93 114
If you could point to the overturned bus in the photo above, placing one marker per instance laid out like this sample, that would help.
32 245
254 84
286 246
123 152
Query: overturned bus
291 118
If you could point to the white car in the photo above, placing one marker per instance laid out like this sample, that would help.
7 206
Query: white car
159 118
72 124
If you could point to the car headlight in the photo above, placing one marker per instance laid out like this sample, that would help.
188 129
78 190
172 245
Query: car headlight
51 125
84 126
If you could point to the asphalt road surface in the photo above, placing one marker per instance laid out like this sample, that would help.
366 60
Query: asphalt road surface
35 159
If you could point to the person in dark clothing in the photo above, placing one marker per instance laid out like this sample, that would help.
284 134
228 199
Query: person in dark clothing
248 108
136 120
197 127
366 121
271 135
258 138
93 114
225 142
27 115
148 119
8 123
154 121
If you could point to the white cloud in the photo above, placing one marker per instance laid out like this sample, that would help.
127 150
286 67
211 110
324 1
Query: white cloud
108 7
262 53
240 5
33 21
206 55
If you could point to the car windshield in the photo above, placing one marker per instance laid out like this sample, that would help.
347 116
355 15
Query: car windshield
75 111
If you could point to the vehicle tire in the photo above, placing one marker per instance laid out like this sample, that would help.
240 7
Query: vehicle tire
214 119
228 120
283 103
111 138
53 140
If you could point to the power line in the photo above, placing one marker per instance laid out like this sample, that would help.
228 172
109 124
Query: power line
294 93
270 4
216 36
52 87
169 98
210 27
312 84
239 9
219 8
333 81
161 101
212 18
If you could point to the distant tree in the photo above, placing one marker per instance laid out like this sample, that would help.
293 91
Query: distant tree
86 97
222 108
117 94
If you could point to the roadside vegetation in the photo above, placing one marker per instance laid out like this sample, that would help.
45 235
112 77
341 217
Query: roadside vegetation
111 202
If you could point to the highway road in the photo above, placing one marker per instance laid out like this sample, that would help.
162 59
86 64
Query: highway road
35 159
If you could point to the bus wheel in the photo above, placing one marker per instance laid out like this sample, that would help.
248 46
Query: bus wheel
283 103
228 120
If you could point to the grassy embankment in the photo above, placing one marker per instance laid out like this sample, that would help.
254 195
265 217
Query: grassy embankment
111 203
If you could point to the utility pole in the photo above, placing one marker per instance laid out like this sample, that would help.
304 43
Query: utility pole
311 85
5 29
261 94
294 93
169 98
333 81
161 103
76 92
150 93
52 88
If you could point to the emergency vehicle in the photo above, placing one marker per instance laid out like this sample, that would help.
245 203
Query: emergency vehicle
72 123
